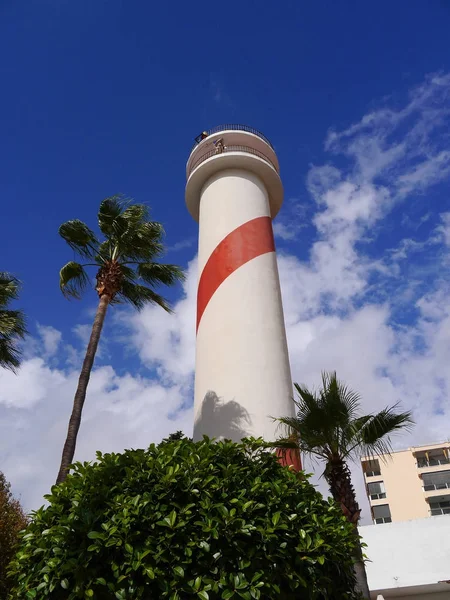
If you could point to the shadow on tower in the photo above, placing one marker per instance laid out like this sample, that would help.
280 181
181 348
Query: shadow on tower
222 420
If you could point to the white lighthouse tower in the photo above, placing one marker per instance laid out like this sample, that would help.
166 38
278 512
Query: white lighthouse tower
242 375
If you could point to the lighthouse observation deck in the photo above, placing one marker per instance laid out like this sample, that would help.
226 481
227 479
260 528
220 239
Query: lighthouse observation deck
232 147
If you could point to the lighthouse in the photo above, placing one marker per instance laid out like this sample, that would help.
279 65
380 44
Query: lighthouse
242 372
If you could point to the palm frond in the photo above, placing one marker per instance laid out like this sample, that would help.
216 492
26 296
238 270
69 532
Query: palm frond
340 402
316 422
293 443
307 401
12 323
155 273
73 280
352 433
140 295
12 329
79 237
374 435
117 217
104 251
109 215
130 235
10 355
291 425
136 214
9 288
286 443
142 243
327 425
309 439
128 273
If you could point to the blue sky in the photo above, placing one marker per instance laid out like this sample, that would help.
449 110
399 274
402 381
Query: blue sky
103 97
106 97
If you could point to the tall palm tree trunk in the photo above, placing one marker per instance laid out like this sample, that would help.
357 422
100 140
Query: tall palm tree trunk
339 479
80 394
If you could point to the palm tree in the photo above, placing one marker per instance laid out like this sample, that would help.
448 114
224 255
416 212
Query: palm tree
12 323
126 272
328 427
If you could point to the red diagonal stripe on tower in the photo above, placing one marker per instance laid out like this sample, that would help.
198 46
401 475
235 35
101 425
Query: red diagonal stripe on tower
245 243
290 457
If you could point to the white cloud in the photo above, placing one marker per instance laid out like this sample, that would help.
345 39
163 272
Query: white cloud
83 332
425 173
166 342
31 386
292 220
284 231
445 227
403 146
182 245
121 411
51 339
428 104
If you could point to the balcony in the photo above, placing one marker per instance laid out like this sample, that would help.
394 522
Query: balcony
436 486
230 127
435 512
433 481
230 148
432 457
439 505
209 153
423 462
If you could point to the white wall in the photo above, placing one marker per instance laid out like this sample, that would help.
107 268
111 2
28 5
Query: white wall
437 596
409 554
242 374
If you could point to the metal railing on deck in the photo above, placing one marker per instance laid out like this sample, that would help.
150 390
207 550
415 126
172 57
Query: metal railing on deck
231 127
217 152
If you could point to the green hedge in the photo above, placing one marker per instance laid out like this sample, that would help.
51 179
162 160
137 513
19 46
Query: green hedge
185 520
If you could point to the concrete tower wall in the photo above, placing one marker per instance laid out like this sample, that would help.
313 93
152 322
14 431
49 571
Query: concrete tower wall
242 366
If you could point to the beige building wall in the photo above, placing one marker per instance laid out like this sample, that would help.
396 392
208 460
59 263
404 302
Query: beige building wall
401 474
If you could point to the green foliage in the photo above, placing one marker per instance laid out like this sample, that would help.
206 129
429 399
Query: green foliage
183 520
12 520
12 323
174 437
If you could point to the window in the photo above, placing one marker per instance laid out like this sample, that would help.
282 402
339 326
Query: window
440 480
376 490
440 507
381 514
371 468
376 473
